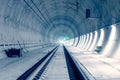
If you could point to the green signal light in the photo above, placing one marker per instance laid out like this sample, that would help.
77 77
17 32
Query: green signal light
66 38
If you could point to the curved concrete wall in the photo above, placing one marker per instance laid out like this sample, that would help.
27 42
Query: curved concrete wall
50 21
108 38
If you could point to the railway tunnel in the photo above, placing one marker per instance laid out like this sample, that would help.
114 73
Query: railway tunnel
59 39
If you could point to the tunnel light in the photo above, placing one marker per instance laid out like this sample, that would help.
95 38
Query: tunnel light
89 43
79 42
67 42
83 41
87 39
75 41
66 38
61 41
113 32
111 41
102 34
94 41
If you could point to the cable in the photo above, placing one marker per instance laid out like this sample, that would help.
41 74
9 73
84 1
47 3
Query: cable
34 10
40 12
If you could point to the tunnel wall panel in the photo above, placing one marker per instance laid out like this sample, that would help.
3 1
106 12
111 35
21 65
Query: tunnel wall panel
85 40
9 34
108 38
112 45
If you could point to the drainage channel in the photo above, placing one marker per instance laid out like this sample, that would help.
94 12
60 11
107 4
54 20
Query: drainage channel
74 72
44 62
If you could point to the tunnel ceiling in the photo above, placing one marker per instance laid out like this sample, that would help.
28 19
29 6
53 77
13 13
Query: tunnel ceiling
59 18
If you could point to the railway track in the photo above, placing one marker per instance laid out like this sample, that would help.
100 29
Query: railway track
43 62
75 71
37 70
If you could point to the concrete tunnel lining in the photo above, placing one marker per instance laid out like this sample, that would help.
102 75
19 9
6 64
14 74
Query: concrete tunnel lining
37 24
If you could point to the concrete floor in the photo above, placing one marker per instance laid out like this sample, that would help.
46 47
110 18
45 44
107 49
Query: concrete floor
12 68
99 66
57 70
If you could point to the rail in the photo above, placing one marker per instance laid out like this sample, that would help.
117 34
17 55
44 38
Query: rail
27 73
